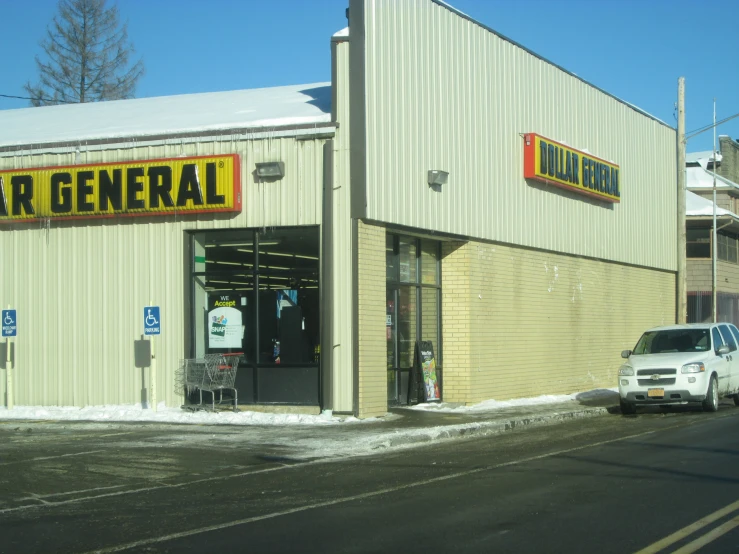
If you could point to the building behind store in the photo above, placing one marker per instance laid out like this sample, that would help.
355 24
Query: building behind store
701 248
399 212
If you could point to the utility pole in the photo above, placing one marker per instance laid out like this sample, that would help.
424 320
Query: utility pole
682 292
714 236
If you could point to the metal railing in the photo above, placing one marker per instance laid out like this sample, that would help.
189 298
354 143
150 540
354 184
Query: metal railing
700 306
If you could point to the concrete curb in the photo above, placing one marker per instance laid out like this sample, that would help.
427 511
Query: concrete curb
419 435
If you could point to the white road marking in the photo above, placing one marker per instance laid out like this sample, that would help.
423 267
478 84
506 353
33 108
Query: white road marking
155 488
226 525
68 493
51 457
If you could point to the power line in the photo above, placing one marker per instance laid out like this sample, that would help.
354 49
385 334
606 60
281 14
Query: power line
711 126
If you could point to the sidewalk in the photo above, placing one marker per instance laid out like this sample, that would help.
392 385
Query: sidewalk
439 421
309 437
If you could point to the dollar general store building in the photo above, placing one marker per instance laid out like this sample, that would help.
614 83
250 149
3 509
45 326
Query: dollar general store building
448 186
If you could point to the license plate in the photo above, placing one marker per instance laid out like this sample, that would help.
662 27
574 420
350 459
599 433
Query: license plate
656 392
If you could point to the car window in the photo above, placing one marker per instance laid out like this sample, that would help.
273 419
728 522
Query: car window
735 332
717 340
727 336
673 340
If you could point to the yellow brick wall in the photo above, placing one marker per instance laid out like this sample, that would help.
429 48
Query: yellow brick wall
520 323
372 359
456 298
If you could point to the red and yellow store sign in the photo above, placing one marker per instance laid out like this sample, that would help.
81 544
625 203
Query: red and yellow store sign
556 164
150 187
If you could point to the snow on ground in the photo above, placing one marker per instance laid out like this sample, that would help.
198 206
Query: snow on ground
135 412
491 405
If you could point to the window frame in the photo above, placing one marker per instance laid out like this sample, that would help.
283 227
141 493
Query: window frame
394 280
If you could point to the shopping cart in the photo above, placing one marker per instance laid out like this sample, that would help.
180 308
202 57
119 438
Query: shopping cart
211 373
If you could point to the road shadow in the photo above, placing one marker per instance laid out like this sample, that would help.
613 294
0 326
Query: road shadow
692 408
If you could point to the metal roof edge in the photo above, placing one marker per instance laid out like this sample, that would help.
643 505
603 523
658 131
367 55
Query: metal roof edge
320 129
513 42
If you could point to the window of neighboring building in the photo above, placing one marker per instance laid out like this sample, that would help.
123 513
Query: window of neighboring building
727 248
698 243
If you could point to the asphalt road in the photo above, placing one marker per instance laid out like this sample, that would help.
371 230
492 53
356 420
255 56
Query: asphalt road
603 484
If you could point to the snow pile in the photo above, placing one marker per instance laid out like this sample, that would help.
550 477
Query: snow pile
493 405
137 413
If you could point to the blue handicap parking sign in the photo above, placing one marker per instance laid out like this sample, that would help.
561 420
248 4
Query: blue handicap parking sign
152 325
9 323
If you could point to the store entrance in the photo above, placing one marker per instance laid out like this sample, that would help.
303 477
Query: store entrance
401 326
256 293
412 309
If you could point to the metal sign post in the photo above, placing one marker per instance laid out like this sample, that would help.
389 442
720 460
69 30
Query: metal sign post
152 326
10 329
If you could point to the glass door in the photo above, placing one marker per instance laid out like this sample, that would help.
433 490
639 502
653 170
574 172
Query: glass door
401 328
391 327
413 301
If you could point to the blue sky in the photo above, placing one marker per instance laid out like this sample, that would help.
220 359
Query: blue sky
633 49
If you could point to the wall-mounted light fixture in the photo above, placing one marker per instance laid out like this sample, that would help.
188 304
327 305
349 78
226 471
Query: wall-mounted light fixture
270 170
437 177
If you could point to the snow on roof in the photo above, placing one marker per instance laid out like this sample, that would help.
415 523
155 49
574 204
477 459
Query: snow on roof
638 109
702 158
696 205
168 115
699 178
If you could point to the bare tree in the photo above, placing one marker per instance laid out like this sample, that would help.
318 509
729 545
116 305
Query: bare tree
88 57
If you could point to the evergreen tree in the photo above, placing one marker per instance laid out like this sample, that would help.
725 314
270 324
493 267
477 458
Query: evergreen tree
87 51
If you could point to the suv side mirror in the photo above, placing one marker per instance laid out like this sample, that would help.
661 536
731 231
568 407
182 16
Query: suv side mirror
723 350
625 353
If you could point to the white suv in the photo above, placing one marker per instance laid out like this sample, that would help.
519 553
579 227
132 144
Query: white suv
678 364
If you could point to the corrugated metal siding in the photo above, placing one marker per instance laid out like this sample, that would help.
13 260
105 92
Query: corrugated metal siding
294 200
80 287
445 93
343 354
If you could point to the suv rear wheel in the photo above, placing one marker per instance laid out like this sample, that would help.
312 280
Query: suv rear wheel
710 404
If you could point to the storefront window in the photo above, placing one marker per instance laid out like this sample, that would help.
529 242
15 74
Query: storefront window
430 316
256 293
288 297
391 322
407 315
407 259
429 262
391 260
